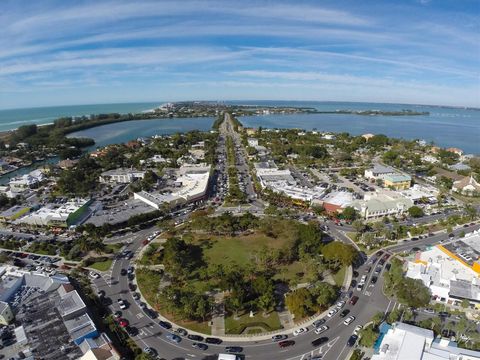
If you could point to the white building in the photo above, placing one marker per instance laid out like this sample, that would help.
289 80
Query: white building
418 193
379 172
408 342
450 270
252 142
27 181
385 203
122 176
65 214
192 181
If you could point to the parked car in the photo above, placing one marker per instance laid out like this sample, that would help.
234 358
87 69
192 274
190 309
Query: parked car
181 332
300 331
94 275
195 337
165 324
318 322
349 320
211 340
200 346
123 305
357 329
279 337
353 300
344 313
321 329
332 312
352 340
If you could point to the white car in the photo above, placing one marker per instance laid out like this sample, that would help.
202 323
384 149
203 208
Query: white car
122 304
349 320
341 304
332 312
300 331
321 329
357 329
94 275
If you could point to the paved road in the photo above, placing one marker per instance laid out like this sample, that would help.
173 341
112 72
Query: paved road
371 300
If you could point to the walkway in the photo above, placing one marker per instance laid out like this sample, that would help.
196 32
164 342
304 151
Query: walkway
218 315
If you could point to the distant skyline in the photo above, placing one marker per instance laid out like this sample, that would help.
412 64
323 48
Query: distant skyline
89 52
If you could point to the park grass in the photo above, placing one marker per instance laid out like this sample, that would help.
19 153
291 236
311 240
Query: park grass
102 265
270 323
290 272
239 249
114 247
339 276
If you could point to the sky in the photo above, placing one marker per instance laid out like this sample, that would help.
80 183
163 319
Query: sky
87 52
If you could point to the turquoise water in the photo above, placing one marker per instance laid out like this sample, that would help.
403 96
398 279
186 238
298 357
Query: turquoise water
444 126
13 118
125 131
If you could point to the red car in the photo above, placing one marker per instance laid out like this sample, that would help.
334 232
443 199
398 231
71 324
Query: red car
123 322
286 343
353 300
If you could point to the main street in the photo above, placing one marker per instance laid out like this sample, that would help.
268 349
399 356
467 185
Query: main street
371 299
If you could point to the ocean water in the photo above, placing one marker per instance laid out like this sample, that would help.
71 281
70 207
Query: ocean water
13 118
445 126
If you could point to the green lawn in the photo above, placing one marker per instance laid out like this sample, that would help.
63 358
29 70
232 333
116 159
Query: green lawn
270 323
340 275
102 265
238 249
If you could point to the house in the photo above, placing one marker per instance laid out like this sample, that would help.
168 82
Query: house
368 136
459 167
467 186
455 150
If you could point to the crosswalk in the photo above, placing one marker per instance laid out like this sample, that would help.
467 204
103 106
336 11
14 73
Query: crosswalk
318 352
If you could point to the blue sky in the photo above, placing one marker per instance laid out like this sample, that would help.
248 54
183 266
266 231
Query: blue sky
82 52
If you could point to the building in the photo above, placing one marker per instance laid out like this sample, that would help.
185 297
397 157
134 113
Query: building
430 159
367 136
122 176
192 184
67 163
451 270
397 181
421 194
467 186
252 142
460 167
13 213
53 317
6 314
407 342
69 213
455 150
27 181
336 201
386 203
379 172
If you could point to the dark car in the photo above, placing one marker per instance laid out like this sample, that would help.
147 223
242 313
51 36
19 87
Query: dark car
200 346
131 276
320 341
286 343
352 340
388 266
233 349
182 332
279 337
165 324
150 313
353 300
123 272
344 313
381 262
374 280
195 337
444 314
210 340
131 331
318 323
